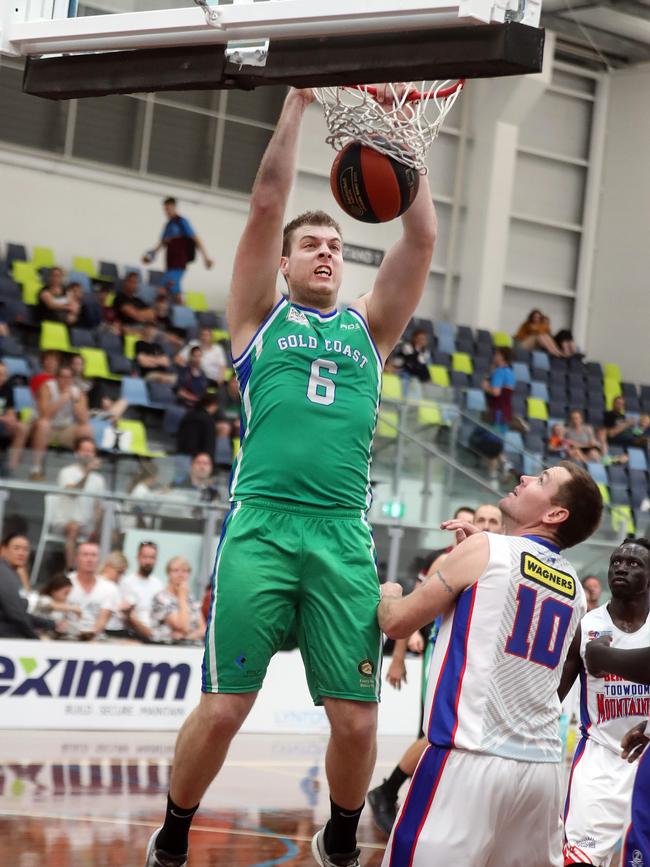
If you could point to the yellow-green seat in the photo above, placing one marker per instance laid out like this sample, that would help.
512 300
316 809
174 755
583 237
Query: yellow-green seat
22 271
501 339
611 389
612 371
228 374
138 445
429 414
109 299
85 265
622 520
219 334
96 364
43 257
439 375
236 443
387 424
604 492
26 414
30 290
54 335
391 388
196 301
462 363
537 408
129 344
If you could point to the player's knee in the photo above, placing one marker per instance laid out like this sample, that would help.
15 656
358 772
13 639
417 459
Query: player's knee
357 728
223 715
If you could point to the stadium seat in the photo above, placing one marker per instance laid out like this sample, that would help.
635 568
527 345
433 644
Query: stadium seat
622 520
129 344
597 472
208 319
475 400
183 318
521 371
82 337
459 379
539 390
522 388
537 408
612 371
541 360
109 342
161 395
446 343
84 264
139 445
156 278
604 492
483 336
24 271
134 390
391 388
441 326
387 424
16 367
466 344
82 278
628 389
96 364
43 257
619 495
109 271
540 375
611 389
16 251
30 291
594 368
439 375
54 335
196 301
442 359
132 269
429 414
501 339
147 293
10 288
461 362
525 356
119 363
637 459
172 419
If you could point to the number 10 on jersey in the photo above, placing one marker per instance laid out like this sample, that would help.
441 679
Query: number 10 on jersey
321 389
554 618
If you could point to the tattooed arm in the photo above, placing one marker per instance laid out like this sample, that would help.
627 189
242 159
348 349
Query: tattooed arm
399 618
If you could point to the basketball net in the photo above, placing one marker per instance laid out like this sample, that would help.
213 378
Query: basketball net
403 126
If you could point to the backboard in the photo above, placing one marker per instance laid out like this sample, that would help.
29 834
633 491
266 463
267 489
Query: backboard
110 47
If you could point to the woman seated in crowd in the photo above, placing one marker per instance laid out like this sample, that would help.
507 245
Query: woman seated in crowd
535 333
580 434
51 603
56 303
175 615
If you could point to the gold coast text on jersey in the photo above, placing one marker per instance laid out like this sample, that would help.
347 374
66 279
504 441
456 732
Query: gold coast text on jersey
335 347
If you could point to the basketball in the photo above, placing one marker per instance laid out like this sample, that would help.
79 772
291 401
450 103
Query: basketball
370 186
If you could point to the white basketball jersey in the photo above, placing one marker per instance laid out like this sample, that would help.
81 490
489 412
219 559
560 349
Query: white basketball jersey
611 705
499 655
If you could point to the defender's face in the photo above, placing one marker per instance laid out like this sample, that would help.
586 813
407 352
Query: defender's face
533 497
314 267
489 518
629 571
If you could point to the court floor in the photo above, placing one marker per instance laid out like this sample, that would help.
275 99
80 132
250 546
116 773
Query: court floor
91 799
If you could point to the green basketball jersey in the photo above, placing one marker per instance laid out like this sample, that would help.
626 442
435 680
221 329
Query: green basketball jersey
310 385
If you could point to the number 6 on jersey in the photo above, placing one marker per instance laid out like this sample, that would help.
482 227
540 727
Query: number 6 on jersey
321 389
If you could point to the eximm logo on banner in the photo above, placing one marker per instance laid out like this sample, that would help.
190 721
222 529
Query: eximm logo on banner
89 678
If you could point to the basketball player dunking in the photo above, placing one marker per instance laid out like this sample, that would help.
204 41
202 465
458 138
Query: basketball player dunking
296 552
600 785
487 790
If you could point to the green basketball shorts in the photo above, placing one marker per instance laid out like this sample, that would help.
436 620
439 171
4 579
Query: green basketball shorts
288 575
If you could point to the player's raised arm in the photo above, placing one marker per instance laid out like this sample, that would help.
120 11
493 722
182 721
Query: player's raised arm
399 618
403 273
253 289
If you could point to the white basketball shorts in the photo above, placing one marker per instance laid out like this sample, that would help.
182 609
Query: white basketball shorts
471 809
599 792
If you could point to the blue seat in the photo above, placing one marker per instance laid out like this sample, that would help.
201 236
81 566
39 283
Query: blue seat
119 363
521 370
16 367
133 269
541 360
617 474
637 459
135 391
446 343
82 337
208 319
597 472
110 342
475 400
161 394
147 293
172 419
10 288
156 277
183 317
440 328
619 495
81 278
23 398
540 390
99 426
513 449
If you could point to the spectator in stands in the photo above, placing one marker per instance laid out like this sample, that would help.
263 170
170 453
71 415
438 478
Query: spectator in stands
130 310
50 363
55 302
197 431
139 590
593 589
152 361
62 417
416 355
192 383
462 513
213 357
566 343
79 517
618 428
499 386
145 482
488 518
200 479
580 435
15 622
561 448
175 614
112 569
180 242
227 418
13 432
52 602
97 598
535 333
77 367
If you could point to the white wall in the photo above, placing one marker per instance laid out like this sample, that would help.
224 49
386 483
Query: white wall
620 303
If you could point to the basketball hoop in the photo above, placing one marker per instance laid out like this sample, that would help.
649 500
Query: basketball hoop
403 129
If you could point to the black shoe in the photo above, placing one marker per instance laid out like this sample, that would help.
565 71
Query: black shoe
383 808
